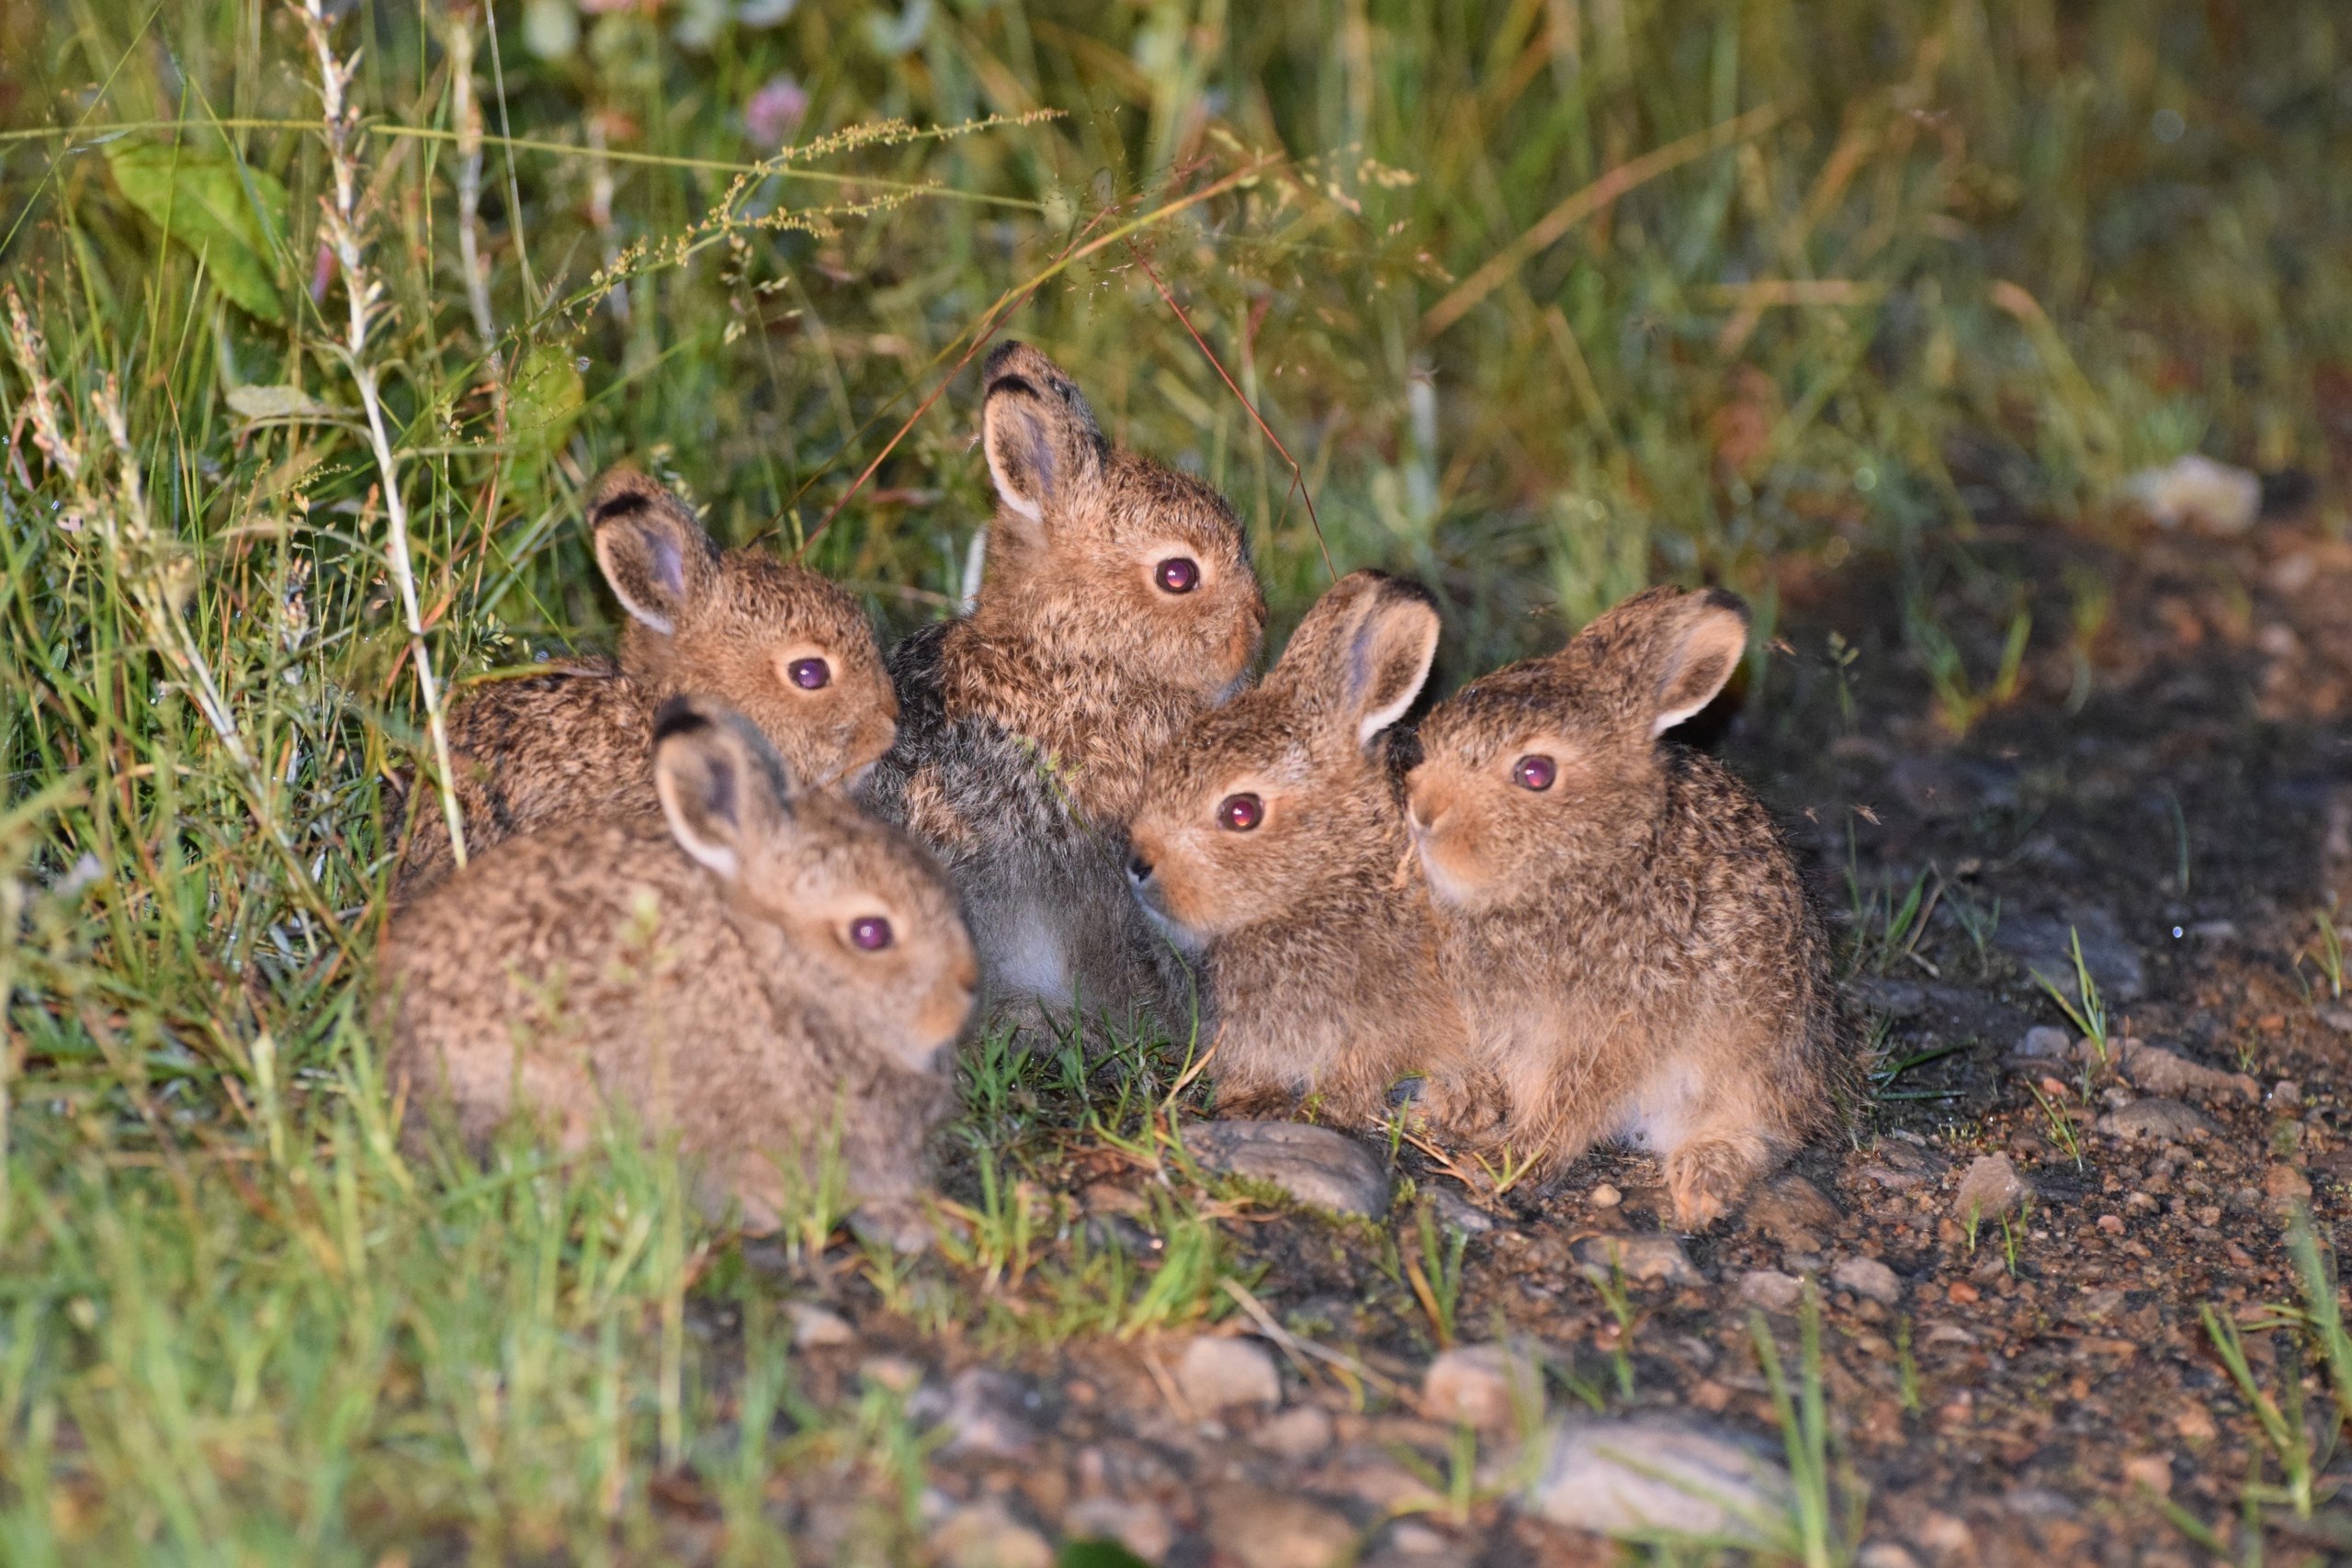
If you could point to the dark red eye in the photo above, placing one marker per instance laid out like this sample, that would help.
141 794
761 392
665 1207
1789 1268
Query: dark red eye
809 675
1240 812
869 933
1178 574
1534 772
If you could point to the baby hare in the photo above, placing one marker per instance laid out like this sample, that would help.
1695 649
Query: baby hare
790 650
1627 933
755 967
1118 605
1270 843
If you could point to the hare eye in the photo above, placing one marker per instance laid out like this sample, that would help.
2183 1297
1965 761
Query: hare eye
1178 574
1240 813
869 933
809 675
1534 772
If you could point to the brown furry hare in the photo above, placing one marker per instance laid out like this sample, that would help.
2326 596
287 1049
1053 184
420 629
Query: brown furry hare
790 650
1117 606
742 968
1272 845
1627 933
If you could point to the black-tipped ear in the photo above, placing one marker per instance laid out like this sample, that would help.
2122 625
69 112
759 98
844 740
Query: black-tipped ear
1704 646
1368 642
1043 447
652 551
722 787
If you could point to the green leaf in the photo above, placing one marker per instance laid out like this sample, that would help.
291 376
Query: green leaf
1097 1554
544 401
201 200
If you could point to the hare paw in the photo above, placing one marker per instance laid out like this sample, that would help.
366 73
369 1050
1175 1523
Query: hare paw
1706 1179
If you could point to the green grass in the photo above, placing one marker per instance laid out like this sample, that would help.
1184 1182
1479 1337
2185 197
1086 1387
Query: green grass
1546 301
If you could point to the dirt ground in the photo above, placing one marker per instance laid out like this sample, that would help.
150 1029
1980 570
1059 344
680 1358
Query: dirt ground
2173 781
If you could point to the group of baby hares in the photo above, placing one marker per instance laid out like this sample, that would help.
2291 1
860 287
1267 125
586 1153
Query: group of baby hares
747 885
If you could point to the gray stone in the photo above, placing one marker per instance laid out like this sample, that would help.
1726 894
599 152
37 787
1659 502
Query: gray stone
2044 1043
1314 1165
1868 1277
1215 1374
2336 1017
1452 1209
1261 1528
1991 1190
1770 1289
1631 1474
986 1414
817 1328
1483 1386
2044 944
985 1535
1652 1259
2165 1120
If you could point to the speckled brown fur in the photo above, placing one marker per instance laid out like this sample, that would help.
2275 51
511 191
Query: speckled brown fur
1633 944
573 743
1027 724
693 970
1314 927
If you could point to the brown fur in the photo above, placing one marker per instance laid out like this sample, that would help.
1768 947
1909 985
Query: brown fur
1027 724
1317 940
571 744
693 971
1632 945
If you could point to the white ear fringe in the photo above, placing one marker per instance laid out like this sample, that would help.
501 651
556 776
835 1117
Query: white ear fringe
1019 504
720 858
1381 718
638 612
1673 717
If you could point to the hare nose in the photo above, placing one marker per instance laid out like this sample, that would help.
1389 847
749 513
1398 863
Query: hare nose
1138 869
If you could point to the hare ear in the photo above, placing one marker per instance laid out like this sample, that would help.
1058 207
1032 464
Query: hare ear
1369 641
652 549
1703 650
722 787
1043 447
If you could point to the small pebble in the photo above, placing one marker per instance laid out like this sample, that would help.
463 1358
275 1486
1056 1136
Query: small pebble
1654 1258
2285 1092
2151 1470
1868 1277
2285 1186
1770 1289
894 1372
985 1536
1256 1528
1296 1433
1481 1385
1990 1190
1217 1374
1606 1196
1142 1527
2111 1223
2044 1041
815 1328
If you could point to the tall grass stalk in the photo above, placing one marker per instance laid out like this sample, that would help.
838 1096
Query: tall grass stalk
341 225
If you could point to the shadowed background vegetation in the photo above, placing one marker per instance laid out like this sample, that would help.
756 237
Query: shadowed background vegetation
1547 299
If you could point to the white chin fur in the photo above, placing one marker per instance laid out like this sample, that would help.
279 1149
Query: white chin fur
1180 937
1444 889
